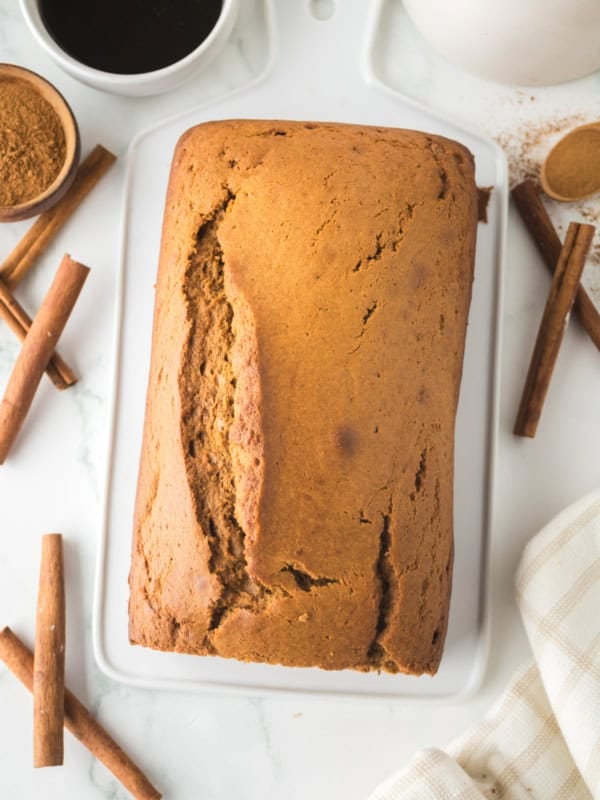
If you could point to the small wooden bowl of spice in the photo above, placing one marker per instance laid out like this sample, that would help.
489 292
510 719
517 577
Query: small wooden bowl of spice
39 144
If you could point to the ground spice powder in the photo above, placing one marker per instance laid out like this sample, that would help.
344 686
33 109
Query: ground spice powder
32 143
573 165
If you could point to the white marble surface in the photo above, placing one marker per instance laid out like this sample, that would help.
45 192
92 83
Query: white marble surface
215 747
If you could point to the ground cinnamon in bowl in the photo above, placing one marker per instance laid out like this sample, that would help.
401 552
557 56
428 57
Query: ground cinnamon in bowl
32 143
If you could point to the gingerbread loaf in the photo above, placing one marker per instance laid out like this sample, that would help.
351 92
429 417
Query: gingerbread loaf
295 491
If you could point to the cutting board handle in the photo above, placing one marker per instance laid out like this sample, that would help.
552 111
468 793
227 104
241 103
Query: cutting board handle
346 31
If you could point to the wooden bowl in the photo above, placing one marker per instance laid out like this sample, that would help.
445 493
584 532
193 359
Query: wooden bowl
65 177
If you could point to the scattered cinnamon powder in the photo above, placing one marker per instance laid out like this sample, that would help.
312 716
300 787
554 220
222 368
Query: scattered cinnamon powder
526 147
32 142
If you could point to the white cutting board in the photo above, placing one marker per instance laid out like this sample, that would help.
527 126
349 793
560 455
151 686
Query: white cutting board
320 70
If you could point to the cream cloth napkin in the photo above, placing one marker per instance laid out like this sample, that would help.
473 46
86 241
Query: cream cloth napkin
541 741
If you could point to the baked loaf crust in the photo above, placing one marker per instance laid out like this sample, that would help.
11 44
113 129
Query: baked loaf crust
295 491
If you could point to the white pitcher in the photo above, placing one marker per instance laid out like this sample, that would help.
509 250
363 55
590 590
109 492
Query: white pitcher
527 42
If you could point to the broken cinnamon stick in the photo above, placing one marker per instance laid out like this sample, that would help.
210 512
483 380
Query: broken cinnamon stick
49 658
19 321
483 200
552 327
37 349
47 225
19 660
533 213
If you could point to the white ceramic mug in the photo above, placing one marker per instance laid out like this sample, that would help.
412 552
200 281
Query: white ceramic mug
526 42
144 83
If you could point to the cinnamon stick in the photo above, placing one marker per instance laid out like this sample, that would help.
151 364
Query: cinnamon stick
19 321
37 349
483 200
552 327
47 225
533 213
49 657
19 660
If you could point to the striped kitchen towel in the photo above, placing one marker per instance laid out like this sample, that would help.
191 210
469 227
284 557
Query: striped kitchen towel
541 741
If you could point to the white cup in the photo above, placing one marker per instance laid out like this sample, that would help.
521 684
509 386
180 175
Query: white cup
525 42
145 83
